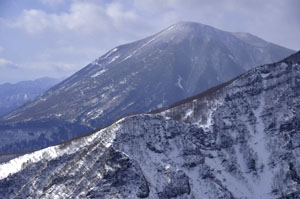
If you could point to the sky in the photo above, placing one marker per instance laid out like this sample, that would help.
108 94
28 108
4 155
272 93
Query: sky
56 38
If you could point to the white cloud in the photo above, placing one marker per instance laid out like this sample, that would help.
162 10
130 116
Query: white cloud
4 62
82 17
53 3
33 21
1 49
7 64
118 15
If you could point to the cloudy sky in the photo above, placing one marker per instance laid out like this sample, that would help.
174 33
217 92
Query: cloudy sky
58 37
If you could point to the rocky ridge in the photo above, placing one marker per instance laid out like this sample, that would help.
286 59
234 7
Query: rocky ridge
239 140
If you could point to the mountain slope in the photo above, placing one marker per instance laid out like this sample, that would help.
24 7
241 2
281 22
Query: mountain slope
15 95
178 62
239 140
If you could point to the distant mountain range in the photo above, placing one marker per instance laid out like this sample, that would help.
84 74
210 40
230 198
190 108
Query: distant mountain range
178 62
15 95
237 140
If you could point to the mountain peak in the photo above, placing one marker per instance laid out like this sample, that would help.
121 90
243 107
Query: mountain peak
187 26
178 62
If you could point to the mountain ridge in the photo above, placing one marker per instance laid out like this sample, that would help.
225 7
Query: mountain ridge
20 93
179 62
240 141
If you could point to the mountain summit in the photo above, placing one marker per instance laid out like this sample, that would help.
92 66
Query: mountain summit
178 62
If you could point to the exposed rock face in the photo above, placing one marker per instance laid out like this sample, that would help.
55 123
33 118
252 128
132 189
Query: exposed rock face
240 140
179 62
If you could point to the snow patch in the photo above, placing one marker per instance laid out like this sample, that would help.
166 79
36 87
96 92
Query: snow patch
179 82
148 42
99 73
96 113
159 105
188 114
96 62
114 59
232 58
264 75
127 57
110 52
123 81
170 28
209 117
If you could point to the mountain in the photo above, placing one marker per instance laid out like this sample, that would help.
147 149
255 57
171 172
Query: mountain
179 62
237 140
15 95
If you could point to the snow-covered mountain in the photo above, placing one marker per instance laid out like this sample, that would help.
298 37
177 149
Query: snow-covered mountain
15 95
238 140
179 62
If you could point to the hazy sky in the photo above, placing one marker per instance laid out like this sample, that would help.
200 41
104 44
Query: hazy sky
58 37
